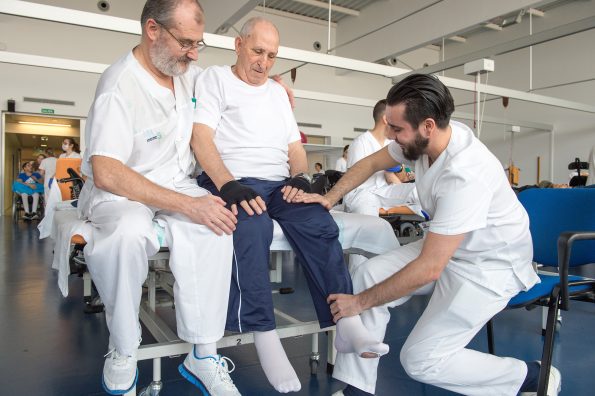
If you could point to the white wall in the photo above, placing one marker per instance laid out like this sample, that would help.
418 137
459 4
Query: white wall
22 35
560 61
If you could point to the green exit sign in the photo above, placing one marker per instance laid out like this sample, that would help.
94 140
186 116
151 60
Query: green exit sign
47 111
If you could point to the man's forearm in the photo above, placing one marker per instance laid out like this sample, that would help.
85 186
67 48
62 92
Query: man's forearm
298 161
354 176
359 173
113 176
427 267
403 283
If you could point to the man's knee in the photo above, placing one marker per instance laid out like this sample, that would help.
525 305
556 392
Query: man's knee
135 225
367 275
418 365
364 276
255 225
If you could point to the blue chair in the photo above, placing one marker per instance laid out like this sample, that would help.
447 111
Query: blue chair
562 223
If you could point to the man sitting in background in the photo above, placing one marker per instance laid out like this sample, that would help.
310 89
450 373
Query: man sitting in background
341 164
383 189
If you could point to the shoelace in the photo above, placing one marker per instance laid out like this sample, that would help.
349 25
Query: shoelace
223 371
120 360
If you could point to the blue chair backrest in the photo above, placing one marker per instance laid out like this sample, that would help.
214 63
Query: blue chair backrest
555 210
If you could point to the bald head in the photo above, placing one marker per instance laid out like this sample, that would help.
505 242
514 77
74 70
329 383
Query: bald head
250 24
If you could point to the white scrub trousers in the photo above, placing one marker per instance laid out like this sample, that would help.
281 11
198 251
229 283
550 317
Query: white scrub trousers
123 238
369 202
435 352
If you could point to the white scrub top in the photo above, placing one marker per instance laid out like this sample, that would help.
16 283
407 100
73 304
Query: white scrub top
363 146
341 165
140 123
48 165
466 191
253 125
74 154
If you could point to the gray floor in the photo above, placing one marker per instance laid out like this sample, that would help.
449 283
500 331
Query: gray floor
50 347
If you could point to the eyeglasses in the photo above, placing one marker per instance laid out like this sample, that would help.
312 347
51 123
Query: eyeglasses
186 45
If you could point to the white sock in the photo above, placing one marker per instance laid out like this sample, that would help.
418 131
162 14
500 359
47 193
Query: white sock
275 363
204 350
353 337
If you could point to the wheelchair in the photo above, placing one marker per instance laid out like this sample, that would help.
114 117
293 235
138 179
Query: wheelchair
18 210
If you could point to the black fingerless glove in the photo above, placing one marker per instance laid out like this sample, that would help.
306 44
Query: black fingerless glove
300 182
233 192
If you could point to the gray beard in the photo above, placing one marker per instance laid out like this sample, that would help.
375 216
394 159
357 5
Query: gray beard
165 63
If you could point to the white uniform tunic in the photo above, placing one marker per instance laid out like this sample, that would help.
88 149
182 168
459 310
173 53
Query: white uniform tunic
142 124
74 154
146 127
376 193
48 165
464 191
234 110
341 165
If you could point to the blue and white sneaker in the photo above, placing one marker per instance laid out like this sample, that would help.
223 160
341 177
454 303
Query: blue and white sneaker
209 374
119 373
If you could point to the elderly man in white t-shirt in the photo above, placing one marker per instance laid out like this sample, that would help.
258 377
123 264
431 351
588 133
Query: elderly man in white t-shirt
247 141
138 162
476 256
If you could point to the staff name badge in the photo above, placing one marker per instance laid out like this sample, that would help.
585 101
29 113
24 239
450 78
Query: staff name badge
151 135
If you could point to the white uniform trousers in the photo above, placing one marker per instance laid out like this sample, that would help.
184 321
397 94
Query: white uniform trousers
368 202
123 238
435 352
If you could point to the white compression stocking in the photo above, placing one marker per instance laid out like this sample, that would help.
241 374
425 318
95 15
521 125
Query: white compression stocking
274 362
353 337
35 203
25 199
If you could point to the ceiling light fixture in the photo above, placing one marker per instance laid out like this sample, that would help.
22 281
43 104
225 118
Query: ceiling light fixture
44 124
458 39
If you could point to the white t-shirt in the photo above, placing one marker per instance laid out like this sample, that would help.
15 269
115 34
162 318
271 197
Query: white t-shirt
253 125
466 191
74 154
48 165
341 165
363 146
140 123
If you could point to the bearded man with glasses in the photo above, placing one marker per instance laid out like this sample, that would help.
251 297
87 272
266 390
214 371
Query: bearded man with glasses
138 161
